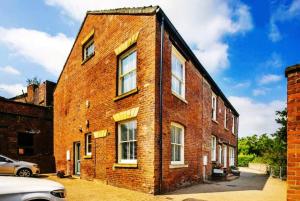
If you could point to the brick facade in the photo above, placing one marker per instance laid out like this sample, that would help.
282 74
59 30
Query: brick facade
86 100
293 132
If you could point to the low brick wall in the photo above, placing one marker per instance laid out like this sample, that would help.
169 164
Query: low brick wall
259 167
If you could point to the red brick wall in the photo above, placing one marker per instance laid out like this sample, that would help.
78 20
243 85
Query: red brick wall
19 117
293 155
95 81
195 116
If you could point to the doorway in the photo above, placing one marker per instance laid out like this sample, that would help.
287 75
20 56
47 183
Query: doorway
77 158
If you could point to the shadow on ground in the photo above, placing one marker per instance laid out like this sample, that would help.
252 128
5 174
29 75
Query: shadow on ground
247 181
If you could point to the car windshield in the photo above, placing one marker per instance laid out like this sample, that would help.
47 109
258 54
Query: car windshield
7 158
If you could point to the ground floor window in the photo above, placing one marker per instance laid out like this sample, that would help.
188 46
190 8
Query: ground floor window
231 156
225 156
127 142
88 144
177 144
25 144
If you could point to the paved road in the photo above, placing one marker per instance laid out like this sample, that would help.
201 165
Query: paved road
251 186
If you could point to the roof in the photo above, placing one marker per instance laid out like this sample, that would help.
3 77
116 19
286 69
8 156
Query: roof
156 10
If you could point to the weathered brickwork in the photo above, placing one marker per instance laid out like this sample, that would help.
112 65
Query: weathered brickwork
30 120
84 103
293 132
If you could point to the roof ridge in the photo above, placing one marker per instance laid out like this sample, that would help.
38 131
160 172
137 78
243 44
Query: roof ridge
127 10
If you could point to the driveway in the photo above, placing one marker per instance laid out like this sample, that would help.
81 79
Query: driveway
251 185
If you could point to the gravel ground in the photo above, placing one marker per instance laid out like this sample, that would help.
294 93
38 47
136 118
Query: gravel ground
251 186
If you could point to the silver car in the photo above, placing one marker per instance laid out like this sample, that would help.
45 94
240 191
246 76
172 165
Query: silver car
9 166
30 189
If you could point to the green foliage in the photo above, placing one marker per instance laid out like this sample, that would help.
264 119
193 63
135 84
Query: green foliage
34 81
268 149
244 160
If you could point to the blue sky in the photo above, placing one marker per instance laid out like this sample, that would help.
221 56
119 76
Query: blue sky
245 45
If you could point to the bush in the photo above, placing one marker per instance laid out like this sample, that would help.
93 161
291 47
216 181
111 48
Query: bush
244 160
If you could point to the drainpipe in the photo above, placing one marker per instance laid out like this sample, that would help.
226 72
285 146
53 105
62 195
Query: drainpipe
162 30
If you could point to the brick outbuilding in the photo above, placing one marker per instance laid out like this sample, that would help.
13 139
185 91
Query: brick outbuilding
135 107
26 126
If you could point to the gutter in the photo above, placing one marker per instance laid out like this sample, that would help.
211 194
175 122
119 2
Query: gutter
162 30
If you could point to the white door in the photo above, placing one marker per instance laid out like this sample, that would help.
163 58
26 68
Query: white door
225 155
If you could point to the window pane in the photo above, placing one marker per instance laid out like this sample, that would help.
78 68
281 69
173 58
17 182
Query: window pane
128 82
179 135
172 134
124 132
128 63
177 153
132 150
173 152
132 130
177 68
176 85
89 148
124 149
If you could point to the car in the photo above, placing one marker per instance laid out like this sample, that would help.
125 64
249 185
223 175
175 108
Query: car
9 166
30 189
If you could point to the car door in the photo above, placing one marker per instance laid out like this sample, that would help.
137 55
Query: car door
6 166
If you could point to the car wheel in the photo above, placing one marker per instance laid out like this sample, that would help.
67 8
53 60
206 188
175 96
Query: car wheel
24 172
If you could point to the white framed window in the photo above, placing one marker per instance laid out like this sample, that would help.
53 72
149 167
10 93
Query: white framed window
225 156
233 125
127 71
231 156
178 73
127 148
220 154
177 144
214 106
88 49
88 144
225 117
213 148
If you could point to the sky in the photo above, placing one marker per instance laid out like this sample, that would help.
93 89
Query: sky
245 46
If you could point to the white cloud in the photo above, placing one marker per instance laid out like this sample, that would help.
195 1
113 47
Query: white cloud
12 89
260 91
245 84
256 117
10 70
270 78
275 60
281 14
38 47
203 24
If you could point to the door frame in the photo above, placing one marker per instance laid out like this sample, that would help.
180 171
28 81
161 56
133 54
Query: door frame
75 158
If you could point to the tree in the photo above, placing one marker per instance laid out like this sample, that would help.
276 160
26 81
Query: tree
34 81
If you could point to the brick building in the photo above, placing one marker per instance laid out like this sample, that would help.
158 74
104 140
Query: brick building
134 106
26 126
293 132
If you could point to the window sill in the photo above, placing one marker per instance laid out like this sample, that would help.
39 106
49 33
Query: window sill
123 165
88 157
134 91
226 129
88 58
174 166
179 97
215 121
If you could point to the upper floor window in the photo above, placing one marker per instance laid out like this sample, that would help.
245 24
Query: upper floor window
225 118
214 106
178 73
213 148
233 125
127 142
177 144
88 49
88 144
127 71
